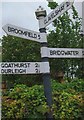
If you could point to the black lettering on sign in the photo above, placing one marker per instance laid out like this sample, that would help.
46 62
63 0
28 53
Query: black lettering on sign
83 53
45 21
10 29
29 34
76 52
52 52
20 31
19 70
16 31
49 18
56 12
35 36
6 71
37 65
62 52
67 4
70 52
66 52
59 10
39 37
52 15
2 71
24 33
58 52
37 70
6 65
62 7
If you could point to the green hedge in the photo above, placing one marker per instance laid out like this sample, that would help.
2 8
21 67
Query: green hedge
30 102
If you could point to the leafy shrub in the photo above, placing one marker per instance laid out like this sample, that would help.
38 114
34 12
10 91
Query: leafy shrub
30 102
24 102
68 100
66 106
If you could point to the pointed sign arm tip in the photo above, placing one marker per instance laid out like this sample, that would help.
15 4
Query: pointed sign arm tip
4 28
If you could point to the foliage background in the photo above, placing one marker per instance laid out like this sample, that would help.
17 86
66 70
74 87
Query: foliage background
23 101
65 35
29 102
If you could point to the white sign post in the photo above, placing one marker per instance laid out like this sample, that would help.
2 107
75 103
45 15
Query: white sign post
24 33
59 10
62 52
40 67
24 67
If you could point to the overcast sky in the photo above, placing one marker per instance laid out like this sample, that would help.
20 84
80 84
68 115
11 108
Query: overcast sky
22 14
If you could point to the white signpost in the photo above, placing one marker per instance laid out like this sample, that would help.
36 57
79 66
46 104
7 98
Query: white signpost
24 33
24 67
40 67
62 52
59 10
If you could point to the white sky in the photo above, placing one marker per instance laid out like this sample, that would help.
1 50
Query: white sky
22 14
